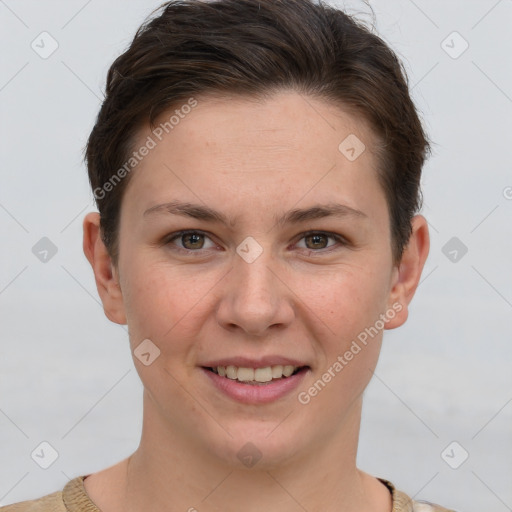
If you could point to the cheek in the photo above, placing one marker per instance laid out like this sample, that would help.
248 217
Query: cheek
348 300
162 302
148 302
358 301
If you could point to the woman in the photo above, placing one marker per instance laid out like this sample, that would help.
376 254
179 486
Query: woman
256 167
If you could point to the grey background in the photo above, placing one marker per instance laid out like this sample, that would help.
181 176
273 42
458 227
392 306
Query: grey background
66 374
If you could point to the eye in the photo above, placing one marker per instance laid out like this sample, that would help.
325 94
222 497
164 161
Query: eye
191 240
318 239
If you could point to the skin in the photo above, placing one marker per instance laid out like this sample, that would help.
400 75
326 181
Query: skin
302 297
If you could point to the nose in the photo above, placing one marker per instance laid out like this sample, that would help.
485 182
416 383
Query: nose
255 297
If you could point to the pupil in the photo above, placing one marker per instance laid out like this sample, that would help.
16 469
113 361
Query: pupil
193 236
316 237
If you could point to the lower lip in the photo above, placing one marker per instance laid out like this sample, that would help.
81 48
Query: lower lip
256 393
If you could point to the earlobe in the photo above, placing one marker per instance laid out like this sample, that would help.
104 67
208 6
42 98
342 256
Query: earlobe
407 276
105 273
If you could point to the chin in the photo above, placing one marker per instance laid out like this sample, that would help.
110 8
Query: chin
258 446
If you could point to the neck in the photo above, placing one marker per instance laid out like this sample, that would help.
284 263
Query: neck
172 472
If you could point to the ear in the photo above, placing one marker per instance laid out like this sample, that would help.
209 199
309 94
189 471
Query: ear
105 273
406 276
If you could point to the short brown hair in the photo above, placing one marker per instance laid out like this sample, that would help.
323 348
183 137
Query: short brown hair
254 48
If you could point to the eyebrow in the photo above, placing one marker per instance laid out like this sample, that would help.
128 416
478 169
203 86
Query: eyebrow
295 216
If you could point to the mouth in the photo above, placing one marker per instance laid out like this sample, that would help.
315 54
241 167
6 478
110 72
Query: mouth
257 376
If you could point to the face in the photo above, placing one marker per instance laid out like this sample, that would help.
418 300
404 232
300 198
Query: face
257 284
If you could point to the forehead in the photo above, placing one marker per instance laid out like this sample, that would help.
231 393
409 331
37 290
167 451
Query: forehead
285 117
226 150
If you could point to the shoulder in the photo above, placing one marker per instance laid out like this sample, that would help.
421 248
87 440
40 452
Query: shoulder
73 497
49 503
403 503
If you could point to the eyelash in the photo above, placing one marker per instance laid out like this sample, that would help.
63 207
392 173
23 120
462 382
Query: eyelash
199 252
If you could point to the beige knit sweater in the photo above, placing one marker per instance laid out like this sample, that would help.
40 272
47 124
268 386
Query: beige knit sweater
73 498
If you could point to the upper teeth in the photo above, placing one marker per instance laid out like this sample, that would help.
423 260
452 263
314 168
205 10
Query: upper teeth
256 374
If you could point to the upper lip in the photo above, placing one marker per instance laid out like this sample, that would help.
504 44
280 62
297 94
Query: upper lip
246 362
